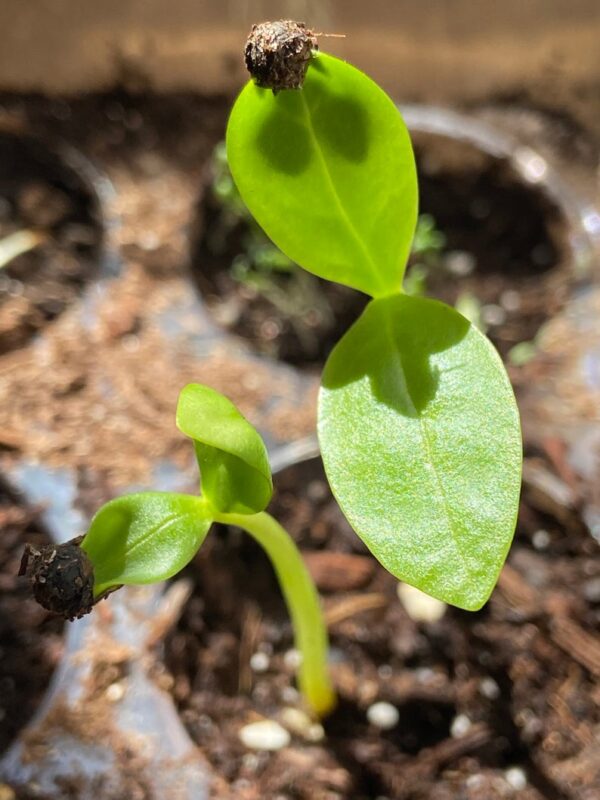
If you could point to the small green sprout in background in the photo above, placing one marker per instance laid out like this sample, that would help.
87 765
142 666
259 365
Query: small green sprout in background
427 247
417 422
522 353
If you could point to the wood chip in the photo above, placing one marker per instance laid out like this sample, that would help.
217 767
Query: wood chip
339 572
516 590
577 643
547 492
10 440
351 606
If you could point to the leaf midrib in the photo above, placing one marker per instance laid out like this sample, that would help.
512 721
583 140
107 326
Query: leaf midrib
427 445
334 192
156 530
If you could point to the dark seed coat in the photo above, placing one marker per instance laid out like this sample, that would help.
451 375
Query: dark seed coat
277 54
61 576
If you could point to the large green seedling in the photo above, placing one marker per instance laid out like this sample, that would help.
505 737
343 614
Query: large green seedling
418 425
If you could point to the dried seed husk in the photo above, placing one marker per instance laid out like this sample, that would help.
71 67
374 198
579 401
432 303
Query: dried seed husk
277 54
61 576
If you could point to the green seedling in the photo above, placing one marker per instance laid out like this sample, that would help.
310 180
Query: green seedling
150 536
417 421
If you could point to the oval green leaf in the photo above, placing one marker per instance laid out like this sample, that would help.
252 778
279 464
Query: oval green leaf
328 172
421 442
145 537
233 459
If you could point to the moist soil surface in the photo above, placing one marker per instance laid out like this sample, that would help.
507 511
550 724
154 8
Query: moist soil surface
500 703
30 637
504 245
46 200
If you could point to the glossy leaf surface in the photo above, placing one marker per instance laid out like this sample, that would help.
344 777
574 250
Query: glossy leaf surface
145 537
233 460
420 438
328 172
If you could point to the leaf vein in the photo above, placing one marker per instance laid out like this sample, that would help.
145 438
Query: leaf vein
173 518
425 436
343 213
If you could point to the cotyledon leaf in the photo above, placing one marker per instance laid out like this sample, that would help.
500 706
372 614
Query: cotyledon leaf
233 459
328 172
144 537
421 443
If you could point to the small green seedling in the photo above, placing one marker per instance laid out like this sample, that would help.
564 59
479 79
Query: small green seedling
150 536
418 424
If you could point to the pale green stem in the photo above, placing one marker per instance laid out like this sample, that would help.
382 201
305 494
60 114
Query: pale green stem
302 602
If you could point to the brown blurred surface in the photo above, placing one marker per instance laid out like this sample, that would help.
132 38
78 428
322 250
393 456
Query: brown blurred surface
450 50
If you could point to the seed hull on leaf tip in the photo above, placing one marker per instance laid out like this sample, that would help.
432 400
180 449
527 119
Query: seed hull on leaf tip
277 54
61 576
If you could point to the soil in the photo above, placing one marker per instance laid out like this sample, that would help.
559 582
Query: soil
513 234
519 677
42 195
30 637
509 235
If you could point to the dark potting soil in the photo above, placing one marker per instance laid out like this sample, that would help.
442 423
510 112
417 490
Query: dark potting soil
43 199
30 637
505 246
501 703
511 234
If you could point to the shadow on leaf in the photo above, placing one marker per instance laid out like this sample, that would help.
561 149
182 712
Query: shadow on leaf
392 344
301 120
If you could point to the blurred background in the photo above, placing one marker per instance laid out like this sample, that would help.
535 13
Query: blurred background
442 50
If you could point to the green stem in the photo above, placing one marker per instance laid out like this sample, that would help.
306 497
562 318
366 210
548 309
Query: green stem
302 602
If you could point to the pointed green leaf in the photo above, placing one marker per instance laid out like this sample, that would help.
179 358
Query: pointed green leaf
328 172
420 437
143 538
233 460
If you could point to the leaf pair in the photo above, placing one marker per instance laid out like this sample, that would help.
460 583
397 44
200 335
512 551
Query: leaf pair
418 425
149 536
